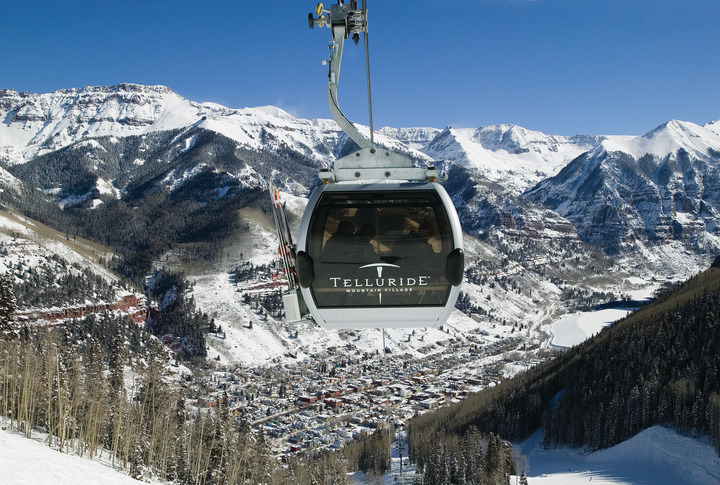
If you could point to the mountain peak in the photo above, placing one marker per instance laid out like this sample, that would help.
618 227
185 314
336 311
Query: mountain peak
672 126
507 137
276 112
666 139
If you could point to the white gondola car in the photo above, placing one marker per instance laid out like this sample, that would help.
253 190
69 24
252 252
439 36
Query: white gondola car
380 255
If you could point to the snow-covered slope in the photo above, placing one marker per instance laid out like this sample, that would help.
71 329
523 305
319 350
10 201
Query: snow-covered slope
40 123
666 139
657 456
34 254
415 138
25 461
661 186
31 242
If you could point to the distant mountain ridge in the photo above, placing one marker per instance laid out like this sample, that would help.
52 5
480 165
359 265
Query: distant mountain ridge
35 124
610 191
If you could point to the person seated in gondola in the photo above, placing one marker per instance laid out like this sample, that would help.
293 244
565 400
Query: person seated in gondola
341 242
363 249
417 242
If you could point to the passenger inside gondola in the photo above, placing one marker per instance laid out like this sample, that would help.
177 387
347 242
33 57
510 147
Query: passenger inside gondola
340 242
418 241
363 249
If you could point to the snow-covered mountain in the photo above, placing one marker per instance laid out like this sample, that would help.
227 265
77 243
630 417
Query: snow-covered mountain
90 145
510 154
493 165
624 195
37 124
660 186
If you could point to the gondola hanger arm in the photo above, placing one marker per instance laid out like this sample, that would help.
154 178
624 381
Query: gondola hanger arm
344 20
370 162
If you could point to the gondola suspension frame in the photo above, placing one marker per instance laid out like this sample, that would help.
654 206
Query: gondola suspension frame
372 170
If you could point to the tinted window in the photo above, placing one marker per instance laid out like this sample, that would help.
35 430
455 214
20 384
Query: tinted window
379 249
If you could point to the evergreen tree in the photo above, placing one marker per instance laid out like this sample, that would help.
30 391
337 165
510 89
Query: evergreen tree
8 325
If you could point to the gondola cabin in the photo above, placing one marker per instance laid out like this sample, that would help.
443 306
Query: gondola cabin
380 255
380 243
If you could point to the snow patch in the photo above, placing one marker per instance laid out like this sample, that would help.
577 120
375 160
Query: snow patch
174 181
576 328
665 139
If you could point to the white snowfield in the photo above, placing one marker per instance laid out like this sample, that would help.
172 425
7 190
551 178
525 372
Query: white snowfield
576 328
30 461
657 456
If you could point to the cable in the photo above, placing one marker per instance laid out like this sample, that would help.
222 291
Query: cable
367 70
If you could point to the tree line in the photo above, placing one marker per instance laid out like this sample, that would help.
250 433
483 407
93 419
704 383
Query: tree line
56 282
658 366
468 459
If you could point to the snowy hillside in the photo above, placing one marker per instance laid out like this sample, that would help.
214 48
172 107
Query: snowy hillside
27 461
43 123
42 260
35 240
657 456
666 139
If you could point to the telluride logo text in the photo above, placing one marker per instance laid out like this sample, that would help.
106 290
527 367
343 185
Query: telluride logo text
339 282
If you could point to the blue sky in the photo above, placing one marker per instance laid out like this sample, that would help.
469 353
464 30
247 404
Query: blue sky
562 67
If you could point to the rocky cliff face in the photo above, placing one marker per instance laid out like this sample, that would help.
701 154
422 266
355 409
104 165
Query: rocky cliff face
641 192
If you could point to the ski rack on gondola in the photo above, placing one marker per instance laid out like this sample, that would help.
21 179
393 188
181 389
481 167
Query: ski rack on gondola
294 308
